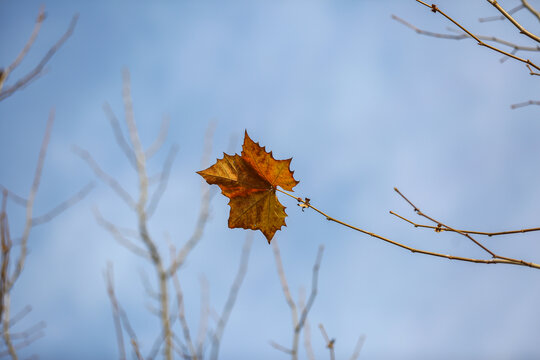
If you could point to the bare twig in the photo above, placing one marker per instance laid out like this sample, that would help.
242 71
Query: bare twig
288 297
526 103
109 280
160 140
280 348
329 342
5 242
136 349
439 228
165 173
438 223
63 206
204 313
501 17
231 299
313 294
435 9
307 329
494 260
462 36
38 69
106 178
32 331
531 9
119 136
298 323
521 29
20 315
6 334
358 347
17 199
204 212
181 316
29 43
30 202
152 294
142 216
122 240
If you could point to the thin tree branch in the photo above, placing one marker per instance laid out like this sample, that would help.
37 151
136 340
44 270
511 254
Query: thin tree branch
526 103
501 17
358 347
119 136
313 294
30 202
142 216
60 208
6 334
17 199
420 213
39 21
288 297
231 299
307 329
25 80
135 346
152 294
440 228
496 260
435 9
281 348
106 178
531 9
20 315
329 342
5 241
36 329
204 212
204 314
109 280
122 240
521 29
462 36
181 316
197 234
163 180
160 140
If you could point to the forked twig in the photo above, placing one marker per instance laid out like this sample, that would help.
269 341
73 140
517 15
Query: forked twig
298 323
63 206
531 9
30 203
144 206
436 9
106 178
521 29
501 17
461 36
329 342
496 259
231 299
38 69
440 228
109 280
307 329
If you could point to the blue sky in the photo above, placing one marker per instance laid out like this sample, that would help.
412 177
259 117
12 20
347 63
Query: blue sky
361 103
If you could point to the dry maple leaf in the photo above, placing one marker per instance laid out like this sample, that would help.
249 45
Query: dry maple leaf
249 181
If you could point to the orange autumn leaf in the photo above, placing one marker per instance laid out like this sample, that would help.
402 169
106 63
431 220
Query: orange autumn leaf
250 180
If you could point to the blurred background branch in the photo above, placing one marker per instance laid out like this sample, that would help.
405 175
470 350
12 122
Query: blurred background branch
6 91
